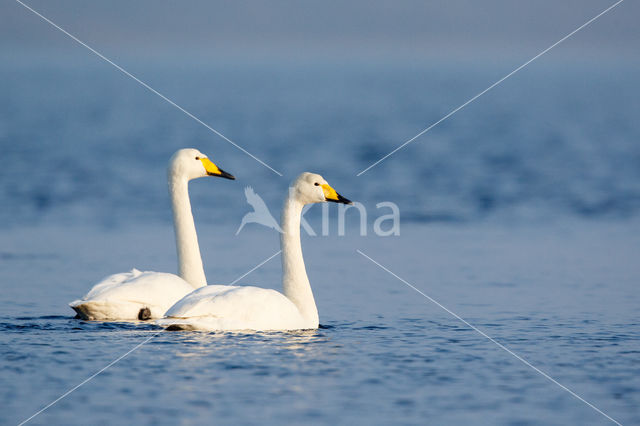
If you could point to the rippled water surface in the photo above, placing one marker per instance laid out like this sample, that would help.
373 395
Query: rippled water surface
520 214
565 299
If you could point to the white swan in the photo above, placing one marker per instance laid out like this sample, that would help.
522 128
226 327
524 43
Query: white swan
221 307
144 295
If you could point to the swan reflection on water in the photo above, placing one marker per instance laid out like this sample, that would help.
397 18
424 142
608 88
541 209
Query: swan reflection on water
300 343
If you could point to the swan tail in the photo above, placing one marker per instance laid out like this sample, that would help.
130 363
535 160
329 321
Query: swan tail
87 310
81 312
101 310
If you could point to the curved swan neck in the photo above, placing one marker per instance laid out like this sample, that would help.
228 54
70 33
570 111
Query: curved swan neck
189 260
295 282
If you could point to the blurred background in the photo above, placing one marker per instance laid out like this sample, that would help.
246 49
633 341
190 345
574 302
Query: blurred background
327 87
519 213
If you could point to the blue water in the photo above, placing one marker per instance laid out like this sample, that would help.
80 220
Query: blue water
558 139
520 214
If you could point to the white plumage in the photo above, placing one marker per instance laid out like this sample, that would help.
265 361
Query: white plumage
132 295
220 307
144 295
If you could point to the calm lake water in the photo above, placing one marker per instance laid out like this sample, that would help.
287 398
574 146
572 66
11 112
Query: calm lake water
520 214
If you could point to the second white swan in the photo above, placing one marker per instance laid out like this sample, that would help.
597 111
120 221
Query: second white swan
145 295
222 307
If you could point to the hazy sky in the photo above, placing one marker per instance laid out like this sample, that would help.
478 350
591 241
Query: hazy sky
449 27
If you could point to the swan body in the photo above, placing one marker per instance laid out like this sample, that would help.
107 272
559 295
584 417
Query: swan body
132 295
145 295
229 307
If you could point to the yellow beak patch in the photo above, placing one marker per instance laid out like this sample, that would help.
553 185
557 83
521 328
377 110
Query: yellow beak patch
329 193
213 170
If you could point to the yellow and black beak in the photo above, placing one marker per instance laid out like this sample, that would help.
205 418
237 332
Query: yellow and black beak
330 194
213 170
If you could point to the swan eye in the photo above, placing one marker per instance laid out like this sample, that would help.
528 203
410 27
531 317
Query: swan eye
316 184
197 158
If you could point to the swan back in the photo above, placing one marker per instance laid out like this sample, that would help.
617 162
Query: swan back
121 296
220 307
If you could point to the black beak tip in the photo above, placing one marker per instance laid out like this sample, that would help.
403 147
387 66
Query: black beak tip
224 175
343 200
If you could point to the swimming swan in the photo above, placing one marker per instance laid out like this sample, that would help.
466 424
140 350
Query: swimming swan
221 307
144 295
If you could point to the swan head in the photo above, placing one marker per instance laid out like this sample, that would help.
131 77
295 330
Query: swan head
192 164
313 188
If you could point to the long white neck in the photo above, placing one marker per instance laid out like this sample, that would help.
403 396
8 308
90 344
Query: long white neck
295 282
189 259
